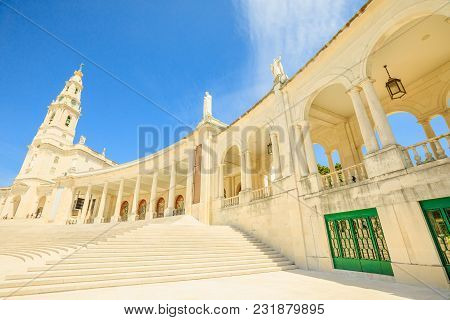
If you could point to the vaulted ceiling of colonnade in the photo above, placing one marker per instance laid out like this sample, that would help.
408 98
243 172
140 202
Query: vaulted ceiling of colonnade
232 161
333 124
411 52
331 107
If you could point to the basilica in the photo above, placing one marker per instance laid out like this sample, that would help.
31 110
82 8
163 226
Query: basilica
384 211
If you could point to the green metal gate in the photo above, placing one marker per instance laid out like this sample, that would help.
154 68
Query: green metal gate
437 214
357 242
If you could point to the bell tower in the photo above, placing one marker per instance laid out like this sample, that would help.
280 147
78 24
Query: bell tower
63 113
56 133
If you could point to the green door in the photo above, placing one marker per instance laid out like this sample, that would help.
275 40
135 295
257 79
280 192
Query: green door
437 214
357 242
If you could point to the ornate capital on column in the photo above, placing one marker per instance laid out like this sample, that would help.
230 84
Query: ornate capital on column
366 81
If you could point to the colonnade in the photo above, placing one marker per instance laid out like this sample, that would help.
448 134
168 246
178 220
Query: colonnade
137 196
305 150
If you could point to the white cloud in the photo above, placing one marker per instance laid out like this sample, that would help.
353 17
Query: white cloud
294 29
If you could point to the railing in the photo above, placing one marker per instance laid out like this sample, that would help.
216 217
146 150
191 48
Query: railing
344 176
178 212
426 151
230 202
262 193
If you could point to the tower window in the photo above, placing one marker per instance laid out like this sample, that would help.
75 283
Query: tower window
56 160
76 90
67 88
51 118
68 121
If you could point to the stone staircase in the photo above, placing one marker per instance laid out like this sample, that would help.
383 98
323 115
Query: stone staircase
167 250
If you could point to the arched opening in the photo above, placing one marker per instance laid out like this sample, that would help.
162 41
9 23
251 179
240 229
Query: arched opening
439 125
142 209
232 172
336 160
179 205
124 211
401 120
333 126
416 53
179 202
40 207
68 119
160 206
321 158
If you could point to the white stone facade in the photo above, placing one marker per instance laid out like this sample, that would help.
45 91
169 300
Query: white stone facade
260 174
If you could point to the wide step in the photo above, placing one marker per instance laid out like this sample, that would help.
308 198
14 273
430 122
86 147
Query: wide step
30 290
146 254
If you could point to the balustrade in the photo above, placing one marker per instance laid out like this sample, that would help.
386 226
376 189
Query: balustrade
230 202
344 176
426 151
262 193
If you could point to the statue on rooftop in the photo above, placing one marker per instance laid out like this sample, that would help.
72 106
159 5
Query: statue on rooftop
278 71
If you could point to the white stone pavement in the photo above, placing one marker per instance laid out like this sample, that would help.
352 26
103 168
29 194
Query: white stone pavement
284 285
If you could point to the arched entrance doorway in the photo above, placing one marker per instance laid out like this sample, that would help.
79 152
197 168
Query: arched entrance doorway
160 206
124 211
142 209
179 205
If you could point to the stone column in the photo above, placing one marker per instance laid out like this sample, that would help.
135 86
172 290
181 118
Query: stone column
275 156
243 179
446 116
152 205
61 204
365 126
101 208
379 116
330 161
309 148
300 152
221 177
172 186
134 208
248 170
116 216
189 182
85 207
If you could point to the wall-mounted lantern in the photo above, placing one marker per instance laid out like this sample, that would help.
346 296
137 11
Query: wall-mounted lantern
394 86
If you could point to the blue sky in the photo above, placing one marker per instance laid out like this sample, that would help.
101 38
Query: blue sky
169 51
